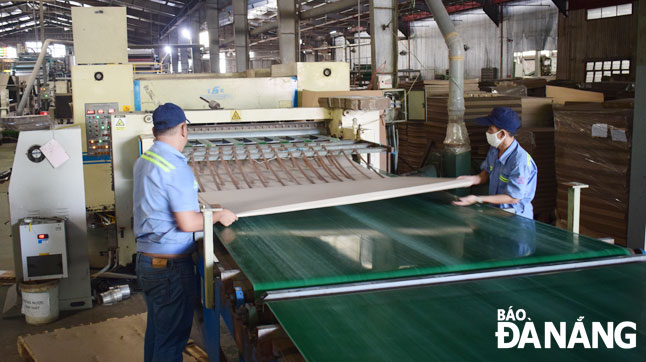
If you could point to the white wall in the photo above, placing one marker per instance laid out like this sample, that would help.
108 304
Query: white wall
531 25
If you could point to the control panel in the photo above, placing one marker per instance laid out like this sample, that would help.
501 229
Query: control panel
43 248
97 127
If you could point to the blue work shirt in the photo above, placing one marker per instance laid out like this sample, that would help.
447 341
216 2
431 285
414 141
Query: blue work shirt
163 184
513 174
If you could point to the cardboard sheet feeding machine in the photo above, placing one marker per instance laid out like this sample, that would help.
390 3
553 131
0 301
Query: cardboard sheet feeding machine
253 148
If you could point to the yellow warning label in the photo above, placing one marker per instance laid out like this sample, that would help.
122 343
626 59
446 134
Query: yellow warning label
126 108
120 124
235 116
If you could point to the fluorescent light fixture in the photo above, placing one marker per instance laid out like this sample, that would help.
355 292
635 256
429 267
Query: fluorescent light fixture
186 34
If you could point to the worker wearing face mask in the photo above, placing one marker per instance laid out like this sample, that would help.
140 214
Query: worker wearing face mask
510 170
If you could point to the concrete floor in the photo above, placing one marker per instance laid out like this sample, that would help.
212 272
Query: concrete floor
11 328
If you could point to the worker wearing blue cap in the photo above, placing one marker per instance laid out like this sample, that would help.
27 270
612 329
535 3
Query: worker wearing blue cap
510 170
166 213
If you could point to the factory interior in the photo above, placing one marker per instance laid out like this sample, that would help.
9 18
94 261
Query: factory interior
438 180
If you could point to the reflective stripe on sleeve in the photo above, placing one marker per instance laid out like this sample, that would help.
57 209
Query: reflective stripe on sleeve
162 166
159 158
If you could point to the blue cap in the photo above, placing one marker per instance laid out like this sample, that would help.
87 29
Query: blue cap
503 118
167 116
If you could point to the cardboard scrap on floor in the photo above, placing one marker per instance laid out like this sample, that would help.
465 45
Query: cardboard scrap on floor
254 202
114 340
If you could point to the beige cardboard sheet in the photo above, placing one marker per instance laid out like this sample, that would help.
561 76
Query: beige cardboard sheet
114 340
264 201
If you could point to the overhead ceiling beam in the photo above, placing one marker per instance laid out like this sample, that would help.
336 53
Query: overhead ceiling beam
562 5
492 10
334 7
191 6
142 5
466 5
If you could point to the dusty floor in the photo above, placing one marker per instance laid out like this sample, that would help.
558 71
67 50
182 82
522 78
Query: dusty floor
11 328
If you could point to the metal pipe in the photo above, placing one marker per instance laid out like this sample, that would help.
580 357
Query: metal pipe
34 73
334 7
457 139
105 268
270 25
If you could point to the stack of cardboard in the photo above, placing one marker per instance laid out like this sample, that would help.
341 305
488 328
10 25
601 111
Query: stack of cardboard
593 145
416 139
441 87
534 87
475 107
539 142
536 112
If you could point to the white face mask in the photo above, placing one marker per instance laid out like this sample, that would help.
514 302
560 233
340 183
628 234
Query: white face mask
493 140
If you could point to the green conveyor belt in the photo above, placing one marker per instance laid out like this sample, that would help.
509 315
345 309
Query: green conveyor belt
458 322
404 237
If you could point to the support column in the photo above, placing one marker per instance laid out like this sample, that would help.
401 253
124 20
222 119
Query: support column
288 31
183 52
195 40
383 31
213 25
637 192
241 34
174 54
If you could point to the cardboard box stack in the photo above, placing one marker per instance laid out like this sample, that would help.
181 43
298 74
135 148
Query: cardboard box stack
539 142
593 142
416 138
441 87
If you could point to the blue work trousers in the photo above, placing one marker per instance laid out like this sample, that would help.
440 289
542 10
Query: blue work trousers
171 293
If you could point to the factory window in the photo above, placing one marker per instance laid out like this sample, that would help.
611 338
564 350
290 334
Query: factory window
595 71
610 11
55 50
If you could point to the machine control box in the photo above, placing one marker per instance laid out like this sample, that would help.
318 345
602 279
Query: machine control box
97 128
43 248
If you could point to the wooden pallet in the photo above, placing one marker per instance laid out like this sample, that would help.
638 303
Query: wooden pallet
116 339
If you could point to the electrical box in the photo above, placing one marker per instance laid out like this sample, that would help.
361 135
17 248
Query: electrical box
397 112
92 84
97 127
43 248
417 105
94 46
384 81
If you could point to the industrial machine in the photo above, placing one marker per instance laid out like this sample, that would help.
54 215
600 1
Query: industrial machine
366 268
410 278
43 248
395 279
41 196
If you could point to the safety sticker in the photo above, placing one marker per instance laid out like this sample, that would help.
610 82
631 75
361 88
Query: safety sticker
120 124
235 116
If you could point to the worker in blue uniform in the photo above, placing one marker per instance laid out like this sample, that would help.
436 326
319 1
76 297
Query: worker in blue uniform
166 214
510 170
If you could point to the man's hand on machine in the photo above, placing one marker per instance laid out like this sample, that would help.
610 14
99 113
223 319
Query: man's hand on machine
225 217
